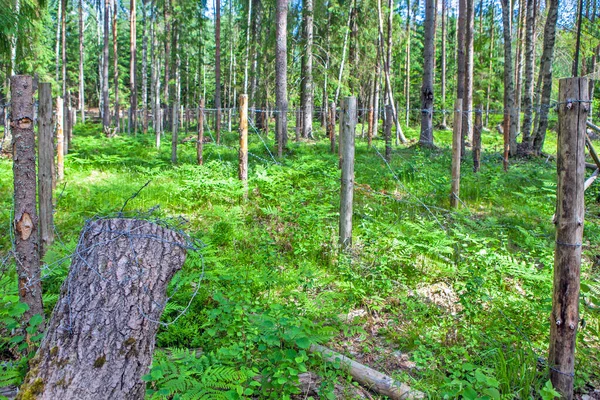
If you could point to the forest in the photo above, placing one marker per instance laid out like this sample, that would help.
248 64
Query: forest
275 199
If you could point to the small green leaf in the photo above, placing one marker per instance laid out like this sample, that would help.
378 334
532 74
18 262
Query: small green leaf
303 342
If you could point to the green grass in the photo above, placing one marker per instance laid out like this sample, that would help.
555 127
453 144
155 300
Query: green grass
275 281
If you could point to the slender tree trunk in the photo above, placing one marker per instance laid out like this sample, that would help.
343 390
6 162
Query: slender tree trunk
467 122
515 122
307 104
247 46
509 99
426 138
461 71
101 336
578 38
529 74
377 87
132 65
145 65
218 70
443 77
105 103
407 66
167 16
63 19
281 75
116 65
45 167
58 38
491 64
25 215
546 76
341 73
81 55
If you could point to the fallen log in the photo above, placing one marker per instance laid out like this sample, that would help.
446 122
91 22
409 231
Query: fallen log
368 377
102 331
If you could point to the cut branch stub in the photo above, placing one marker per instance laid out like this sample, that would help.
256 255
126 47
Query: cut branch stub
101 335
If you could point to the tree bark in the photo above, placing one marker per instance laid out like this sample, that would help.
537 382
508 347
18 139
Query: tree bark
281 74
509 94
407 66
537 140
307 103
347 134
467 122
45 167
115 64
81 74
145 66
25 222
218 70
529 74
105 101
426 138
443 77
102 332
167 58
461 72
200 142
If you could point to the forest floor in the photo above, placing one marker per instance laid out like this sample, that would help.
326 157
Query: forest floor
453 303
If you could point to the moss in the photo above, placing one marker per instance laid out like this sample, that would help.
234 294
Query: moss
30 391
54 351
129 342
99 363
61 383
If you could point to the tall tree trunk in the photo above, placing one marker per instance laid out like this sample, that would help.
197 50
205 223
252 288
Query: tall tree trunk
426 138
339 87
407 66
167 16
515 122
116 65
248 26
377 87
105 103
218 69
102 332
578 38
461 36
281 74
491 64
145 65
546 76
529 74
63 19
307 103
58 39
467 116
81 54
132 65
443 77
509 94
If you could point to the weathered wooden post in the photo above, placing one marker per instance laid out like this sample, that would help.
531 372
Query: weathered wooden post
174 128
200 142
347 182
101 335
45 166
456 147
477 138
243 154
25 222
388 132
331 126
573 109
60 140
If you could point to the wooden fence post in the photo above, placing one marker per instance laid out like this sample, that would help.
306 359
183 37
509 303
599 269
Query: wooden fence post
477 139
347 182
60 140
25 215
388 132
573 108
243 155
200 142
456 147
45 166
331 126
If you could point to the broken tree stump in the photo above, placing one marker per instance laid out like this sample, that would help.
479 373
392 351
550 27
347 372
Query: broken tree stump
101 334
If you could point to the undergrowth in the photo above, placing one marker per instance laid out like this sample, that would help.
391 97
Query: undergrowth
275 282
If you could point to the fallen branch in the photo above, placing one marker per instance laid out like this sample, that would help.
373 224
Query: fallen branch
591 179
368 377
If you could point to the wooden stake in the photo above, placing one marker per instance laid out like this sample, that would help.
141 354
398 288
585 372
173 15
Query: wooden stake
477 139
570 164
331 126
25 222
243 155
45 166
347 182
200 142
456 145
60 140
388 132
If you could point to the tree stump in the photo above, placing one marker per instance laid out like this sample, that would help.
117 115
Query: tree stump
101 335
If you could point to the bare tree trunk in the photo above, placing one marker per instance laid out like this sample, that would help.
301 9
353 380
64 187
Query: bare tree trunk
58 39
105 103
515 122
407 66
132 65
63 19
491 64
281 75
467 122
145 66
341 73
426 138
461 66
509 99
218 70
537 140
101 335
25 215
81 55
443 77
307 103
167 61
115 64
529 74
